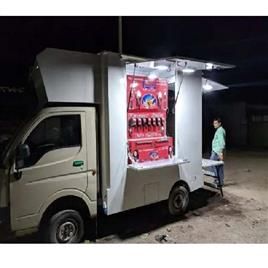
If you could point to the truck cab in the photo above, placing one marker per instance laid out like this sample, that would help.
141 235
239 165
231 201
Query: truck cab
52 164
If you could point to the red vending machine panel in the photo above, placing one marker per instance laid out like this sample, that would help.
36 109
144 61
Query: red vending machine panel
147 102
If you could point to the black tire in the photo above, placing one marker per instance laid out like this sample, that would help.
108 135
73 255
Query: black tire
66 226
178 200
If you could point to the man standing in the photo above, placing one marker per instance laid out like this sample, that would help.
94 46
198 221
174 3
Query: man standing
218 147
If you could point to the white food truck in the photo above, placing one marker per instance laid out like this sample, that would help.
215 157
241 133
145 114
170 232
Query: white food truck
112 132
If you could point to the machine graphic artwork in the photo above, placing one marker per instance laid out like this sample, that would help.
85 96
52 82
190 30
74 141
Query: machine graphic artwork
147 104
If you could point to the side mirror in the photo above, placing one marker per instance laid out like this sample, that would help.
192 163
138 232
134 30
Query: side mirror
22 152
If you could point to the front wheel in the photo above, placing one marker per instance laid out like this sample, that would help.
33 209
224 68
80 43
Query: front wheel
178 200
66 226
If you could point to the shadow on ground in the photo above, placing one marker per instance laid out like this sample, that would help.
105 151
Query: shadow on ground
135 222
146 219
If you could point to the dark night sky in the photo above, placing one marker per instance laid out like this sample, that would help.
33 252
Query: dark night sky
242 41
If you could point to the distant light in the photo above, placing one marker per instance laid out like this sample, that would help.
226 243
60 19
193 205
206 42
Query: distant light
162 67
188 70
152 76
209 66
207 87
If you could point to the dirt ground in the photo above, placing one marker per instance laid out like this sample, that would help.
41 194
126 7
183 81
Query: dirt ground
241 216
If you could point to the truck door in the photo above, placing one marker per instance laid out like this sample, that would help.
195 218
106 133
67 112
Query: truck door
58 162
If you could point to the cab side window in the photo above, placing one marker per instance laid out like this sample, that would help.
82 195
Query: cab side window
53 133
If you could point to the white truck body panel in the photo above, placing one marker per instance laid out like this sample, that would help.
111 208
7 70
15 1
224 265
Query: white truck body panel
188 128
66 76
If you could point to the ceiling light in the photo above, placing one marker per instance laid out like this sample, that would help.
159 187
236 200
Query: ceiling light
209 66
207 87
188 70
151 64
152 76
162 67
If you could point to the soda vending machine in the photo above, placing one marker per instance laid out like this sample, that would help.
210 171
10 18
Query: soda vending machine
147 105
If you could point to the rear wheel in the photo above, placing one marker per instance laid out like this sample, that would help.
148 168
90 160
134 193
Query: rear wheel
178 200
66 226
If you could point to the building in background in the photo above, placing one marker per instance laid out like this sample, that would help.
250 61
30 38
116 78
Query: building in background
245 120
